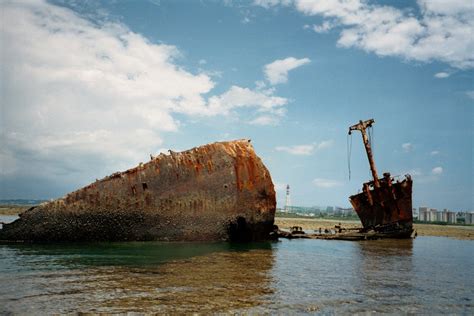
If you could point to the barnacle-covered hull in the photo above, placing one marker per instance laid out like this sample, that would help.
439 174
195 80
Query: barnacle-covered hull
219 191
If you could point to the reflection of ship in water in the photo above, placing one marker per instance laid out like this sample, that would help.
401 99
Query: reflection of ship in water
386 248
384 206
386 273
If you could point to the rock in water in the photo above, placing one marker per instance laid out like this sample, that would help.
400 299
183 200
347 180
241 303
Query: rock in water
219 191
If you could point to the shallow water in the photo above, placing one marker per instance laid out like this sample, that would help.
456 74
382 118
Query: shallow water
8 218
425 275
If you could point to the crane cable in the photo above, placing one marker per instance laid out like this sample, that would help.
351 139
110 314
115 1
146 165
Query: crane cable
370 131
349 152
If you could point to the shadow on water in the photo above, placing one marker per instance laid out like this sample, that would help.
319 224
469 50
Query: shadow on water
71 255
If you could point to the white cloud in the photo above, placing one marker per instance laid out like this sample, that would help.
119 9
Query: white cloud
442 75
437 170
260 85
324 144
265 120
202 62
326 183
297 149
238 97
325 27
271 3
442 31
277 71
434 153
94 98
305 150
407 147
470 94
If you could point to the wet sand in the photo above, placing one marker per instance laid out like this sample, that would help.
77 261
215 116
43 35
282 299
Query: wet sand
458 232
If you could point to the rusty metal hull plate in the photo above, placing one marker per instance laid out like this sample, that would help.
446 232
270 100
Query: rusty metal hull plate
387 209
218 191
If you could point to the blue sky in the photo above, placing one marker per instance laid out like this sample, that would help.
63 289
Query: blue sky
89 88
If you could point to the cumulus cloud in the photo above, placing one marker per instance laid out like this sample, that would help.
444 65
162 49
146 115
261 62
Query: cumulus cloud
437 170
325 27
326 183
237 97
277 71
305 150
442 31
434 153
93 98
407 147
442 75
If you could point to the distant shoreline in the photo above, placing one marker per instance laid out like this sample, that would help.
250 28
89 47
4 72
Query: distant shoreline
453 231
13 209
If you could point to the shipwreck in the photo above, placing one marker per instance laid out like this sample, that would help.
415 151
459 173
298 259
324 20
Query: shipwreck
384 206
219 191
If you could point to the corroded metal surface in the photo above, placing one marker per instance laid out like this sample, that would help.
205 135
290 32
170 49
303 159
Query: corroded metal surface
219 191
386 209
384 206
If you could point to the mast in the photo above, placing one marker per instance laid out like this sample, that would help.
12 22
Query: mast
362 126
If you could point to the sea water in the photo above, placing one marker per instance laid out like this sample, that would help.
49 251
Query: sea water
426 275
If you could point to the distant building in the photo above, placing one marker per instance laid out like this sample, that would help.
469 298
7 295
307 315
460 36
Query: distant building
439 216
350 212
469 218
443 216
423 214
426 214
451 217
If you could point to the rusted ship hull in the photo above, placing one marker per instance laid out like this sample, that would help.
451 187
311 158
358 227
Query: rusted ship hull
387 209
220 191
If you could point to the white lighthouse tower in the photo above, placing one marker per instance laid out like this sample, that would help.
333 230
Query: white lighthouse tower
287 201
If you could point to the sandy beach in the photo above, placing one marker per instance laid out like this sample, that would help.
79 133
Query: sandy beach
458 232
